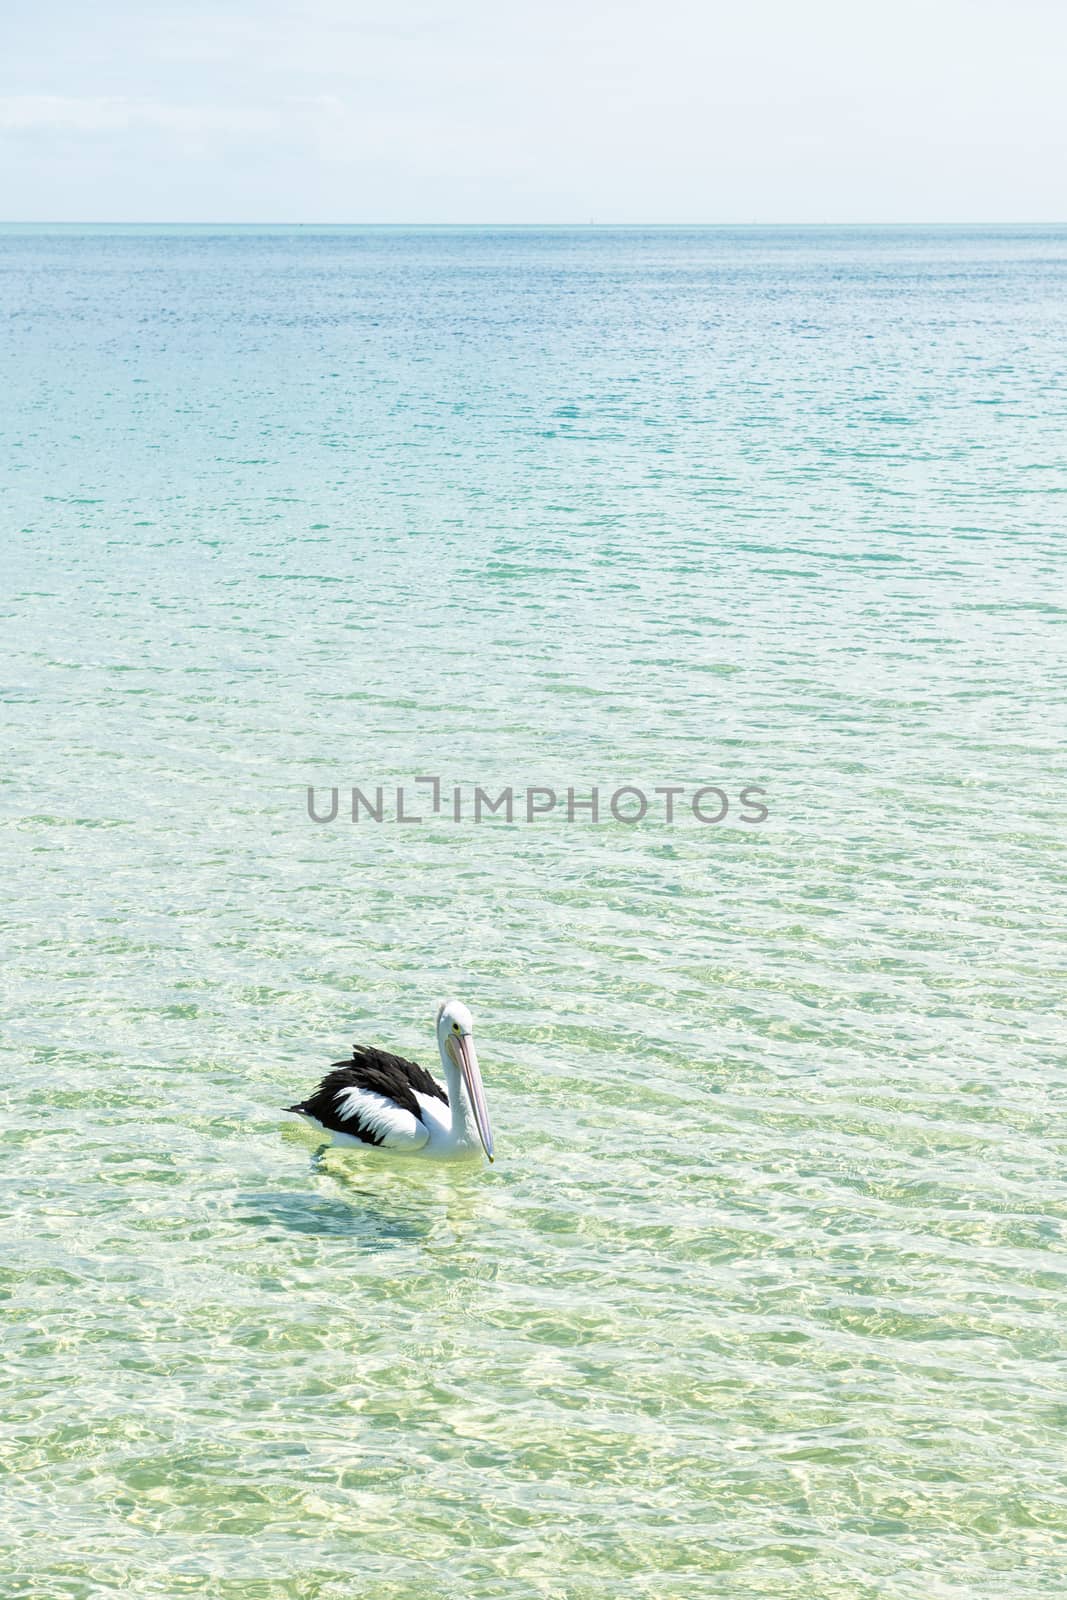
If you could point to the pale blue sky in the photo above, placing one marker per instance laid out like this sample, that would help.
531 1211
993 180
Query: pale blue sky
477 110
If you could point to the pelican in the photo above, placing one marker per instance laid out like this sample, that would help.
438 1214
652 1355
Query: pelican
381 1099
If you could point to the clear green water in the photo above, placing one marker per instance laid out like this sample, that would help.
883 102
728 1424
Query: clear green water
765 1294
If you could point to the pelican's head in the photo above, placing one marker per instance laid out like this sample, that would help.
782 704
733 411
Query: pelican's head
455 1039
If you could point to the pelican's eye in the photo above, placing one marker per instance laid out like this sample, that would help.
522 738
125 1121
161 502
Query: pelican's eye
456 1027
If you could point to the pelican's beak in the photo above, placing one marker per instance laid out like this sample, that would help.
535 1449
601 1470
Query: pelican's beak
467 1060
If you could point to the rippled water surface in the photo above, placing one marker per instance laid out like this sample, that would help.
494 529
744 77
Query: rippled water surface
764 1294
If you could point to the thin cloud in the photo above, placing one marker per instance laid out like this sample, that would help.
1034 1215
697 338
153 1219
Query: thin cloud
52 113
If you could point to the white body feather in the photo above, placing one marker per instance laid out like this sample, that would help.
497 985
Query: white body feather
431 1134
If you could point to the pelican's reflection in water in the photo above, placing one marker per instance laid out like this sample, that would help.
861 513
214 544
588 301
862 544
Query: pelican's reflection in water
377 1207
368 1224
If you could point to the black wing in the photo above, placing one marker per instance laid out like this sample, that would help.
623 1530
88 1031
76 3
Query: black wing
381 1073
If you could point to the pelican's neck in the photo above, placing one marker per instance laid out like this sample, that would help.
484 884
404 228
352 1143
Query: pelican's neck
464 1127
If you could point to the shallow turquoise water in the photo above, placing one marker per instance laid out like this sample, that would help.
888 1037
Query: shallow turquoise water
765 1293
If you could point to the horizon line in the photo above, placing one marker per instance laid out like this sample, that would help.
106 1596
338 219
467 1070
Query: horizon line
218 222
